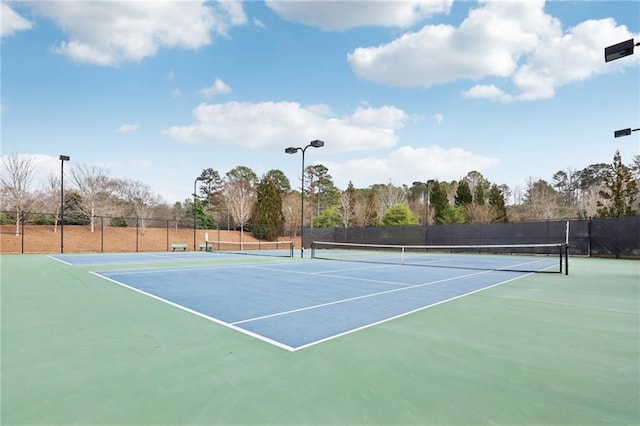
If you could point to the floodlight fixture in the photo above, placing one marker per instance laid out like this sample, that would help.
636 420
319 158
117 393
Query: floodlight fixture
292 150
624 132
619 50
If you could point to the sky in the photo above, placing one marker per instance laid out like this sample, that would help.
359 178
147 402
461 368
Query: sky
399 91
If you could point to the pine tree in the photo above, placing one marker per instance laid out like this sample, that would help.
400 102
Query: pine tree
620 191
438 201
268 219
463 194
496 201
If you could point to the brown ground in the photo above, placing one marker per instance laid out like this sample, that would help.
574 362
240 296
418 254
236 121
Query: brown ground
46 239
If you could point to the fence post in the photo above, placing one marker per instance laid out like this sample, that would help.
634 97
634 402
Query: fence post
22 233
101 234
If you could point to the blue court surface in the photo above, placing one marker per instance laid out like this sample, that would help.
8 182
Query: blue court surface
296 304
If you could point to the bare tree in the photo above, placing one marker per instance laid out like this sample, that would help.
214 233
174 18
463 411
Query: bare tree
389 196
240 196
50 199
16 177
95 188
587 203
346 208
138 199
541 200
480 213
291 212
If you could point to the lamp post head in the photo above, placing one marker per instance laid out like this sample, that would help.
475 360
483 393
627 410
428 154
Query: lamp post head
317 143
201 178
291 150
65 158
619 50
622 132
431 181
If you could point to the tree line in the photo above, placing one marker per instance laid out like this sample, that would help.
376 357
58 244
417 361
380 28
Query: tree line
268 206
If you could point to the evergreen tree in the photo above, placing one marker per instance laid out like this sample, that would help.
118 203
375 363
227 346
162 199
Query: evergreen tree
268 219
620 191
329 218
452 214
438 200
463 194
400 214
496 201
479 195
371 209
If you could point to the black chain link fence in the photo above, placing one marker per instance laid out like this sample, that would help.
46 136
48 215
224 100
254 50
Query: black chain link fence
599 237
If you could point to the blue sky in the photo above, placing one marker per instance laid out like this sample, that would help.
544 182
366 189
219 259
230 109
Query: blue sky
156 91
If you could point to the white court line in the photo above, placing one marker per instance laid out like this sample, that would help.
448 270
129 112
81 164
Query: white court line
200 314
349 299
59 260
373 324
405 287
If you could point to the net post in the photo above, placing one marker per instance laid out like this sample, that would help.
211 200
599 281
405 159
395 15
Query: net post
313 250
566 259
560 255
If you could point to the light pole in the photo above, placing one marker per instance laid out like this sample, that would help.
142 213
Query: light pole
292 150
426 207
63 158
619 50
195 197
624 132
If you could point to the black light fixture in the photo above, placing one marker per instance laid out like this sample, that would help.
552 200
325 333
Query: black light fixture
619 50
624 132
63 158
195 198
292 150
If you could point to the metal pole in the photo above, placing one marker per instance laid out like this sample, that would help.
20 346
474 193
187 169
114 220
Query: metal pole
426 216
194 213
302 208
61 205
63 158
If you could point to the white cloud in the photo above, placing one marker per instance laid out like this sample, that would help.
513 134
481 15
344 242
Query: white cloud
219 87
270 124
109 33
258 23
488 91
176 93
11 22
438 117
126 128
408 164
515 41
342 15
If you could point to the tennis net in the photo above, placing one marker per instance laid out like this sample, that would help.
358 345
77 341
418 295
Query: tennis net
255 248
514 257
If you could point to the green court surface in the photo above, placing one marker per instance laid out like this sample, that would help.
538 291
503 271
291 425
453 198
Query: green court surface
543 349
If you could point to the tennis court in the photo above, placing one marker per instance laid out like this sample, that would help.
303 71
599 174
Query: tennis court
198 338
295 305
